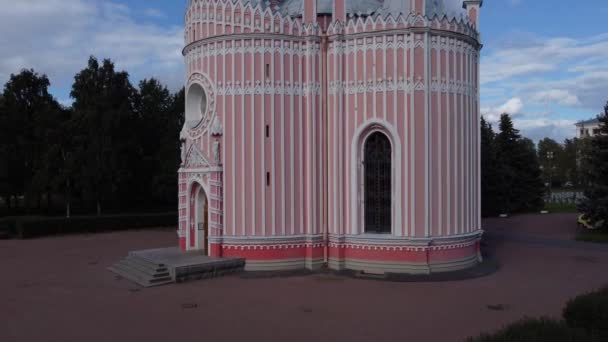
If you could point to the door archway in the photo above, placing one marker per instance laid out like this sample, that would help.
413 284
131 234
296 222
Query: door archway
377 183
201 237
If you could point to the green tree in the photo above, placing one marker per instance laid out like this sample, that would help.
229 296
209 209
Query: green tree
595 204
105 119
550 156
520 187
490 177
529 187
27 117
159 142
165 183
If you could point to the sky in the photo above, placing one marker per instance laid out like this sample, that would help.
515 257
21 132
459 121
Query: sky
543 61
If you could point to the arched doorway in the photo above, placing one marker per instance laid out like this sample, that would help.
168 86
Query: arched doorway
202 221
377 183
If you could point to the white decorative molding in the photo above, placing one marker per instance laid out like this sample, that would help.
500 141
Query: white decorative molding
209 114
216 127
276 88
195 158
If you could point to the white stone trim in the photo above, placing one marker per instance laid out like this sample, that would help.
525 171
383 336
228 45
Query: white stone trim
369 127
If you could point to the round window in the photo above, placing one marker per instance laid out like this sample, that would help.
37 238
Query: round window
196 104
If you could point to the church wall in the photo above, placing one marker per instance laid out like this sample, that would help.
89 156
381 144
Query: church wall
282 91
404 76
425 86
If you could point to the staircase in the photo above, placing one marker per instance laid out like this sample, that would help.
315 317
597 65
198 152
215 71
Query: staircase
142 271
154 267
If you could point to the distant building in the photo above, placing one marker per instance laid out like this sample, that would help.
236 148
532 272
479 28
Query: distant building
588 128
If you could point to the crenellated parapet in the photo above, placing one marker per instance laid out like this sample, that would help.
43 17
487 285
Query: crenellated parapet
412 22
209 18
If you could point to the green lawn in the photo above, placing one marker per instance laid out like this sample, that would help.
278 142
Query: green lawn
595 237
561 207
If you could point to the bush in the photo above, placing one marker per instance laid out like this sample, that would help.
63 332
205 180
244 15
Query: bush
31 227
589 312
537 330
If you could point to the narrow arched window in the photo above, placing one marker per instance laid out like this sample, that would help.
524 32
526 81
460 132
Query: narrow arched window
377 182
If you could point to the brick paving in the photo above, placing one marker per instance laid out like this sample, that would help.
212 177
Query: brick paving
58 289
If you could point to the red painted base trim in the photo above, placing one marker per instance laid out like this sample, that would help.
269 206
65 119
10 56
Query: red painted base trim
272 252
182 243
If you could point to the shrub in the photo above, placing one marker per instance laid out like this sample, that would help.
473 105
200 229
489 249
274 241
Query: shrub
537 330
589 312
31 227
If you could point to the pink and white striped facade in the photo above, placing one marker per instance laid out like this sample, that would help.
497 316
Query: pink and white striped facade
278 109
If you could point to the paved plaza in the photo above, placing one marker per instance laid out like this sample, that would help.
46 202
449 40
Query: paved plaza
58 289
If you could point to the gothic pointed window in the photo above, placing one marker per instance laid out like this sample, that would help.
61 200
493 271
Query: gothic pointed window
377 183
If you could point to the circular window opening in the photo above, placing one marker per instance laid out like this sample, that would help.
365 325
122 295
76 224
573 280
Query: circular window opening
196 104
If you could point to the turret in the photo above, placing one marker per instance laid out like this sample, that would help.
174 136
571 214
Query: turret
472 7
340 10
419 6
310 11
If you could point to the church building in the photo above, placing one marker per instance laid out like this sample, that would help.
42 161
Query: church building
342 133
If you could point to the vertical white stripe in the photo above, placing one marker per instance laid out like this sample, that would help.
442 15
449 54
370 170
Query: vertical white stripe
291 140
462 142
254 183
334 148
301 59
232 145
242 123
283 159
427 143
440 189
450 131
262 178
365 78
353 221
273 174
313 114
340 138
345 132
223 149
410 49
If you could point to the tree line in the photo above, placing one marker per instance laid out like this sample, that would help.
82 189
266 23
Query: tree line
116 148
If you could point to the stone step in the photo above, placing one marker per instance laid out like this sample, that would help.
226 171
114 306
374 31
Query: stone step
138 277
144 261
146 265
144 270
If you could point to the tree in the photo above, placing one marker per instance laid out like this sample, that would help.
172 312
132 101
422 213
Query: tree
520 187
26 119
568 161
529 188
104 114
595 204
550 156
490 177
158 136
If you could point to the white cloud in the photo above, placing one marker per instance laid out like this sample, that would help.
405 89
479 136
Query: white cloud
512 107
537 129
155 13
533 125
537 56
556 96
56 37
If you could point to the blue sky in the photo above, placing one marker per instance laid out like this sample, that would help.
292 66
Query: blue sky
543 61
